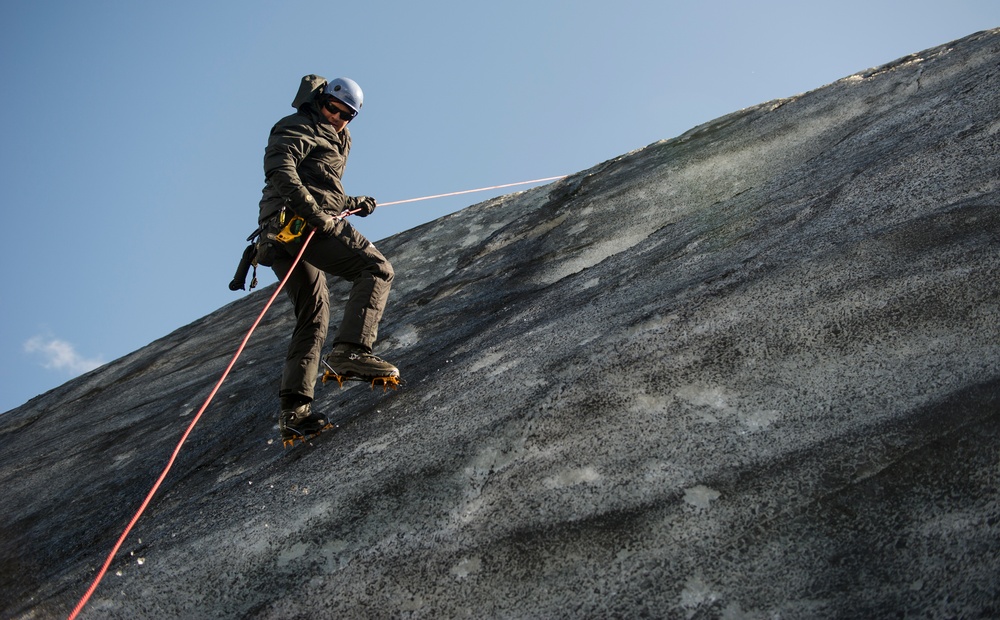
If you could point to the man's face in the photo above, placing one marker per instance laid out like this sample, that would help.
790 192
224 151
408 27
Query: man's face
337 120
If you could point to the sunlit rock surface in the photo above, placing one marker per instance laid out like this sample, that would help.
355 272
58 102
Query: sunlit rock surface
748 372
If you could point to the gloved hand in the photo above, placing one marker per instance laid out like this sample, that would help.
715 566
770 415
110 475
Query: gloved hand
324 223
365 205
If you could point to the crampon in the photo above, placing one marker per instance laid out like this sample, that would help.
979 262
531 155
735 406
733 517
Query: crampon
387 382
288 439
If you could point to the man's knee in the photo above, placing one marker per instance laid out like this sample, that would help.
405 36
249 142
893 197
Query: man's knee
385 270
379 266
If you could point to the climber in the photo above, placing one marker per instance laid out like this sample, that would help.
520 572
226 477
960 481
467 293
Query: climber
303 164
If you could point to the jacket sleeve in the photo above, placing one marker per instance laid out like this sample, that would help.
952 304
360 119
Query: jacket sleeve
287 146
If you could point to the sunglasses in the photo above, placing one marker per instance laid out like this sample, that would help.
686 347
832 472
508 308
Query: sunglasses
346 115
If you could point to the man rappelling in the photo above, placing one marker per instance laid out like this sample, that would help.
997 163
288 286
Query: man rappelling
303 164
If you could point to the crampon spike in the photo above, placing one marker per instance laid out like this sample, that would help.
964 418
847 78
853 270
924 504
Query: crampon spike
387 382
329 374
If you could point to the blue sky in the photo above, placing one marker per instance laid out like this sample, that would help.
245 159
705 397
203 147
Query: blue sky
134 131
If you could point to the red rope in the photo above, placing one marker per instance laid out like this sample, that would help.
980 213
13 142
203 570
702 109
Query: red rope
173 457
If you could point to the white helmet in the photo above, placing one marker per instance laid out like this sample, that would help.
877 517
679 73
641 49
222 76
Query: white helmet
346 91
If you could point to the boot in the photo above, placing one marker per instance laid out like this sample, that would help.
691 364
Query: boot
351 360
299 421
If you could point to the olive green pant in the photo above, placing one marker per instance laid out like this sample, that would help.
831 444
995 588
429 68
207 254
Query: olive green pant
346 254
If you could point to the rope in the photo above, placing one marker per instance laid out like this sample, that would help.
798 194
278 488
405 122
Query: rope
239 351
469 191
173 457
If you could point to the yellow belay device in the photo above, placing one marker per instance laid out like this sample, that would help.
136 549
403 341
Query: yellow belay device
293 230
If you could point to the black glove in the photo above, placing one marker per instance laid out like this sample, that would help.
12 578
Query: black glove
324 223
365 205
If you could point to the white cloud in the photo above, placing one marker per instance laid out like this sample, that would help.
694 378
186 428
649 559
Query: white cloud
60 355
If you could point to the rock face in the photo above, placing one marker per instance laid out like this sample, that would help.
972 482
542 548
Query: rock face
748 372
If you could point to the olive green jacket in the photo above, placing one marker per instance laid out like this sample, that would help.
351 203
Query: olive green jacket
303 164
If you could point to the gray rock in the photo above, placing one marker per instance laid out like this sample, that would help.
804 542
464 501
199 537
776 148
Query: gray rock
748 372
